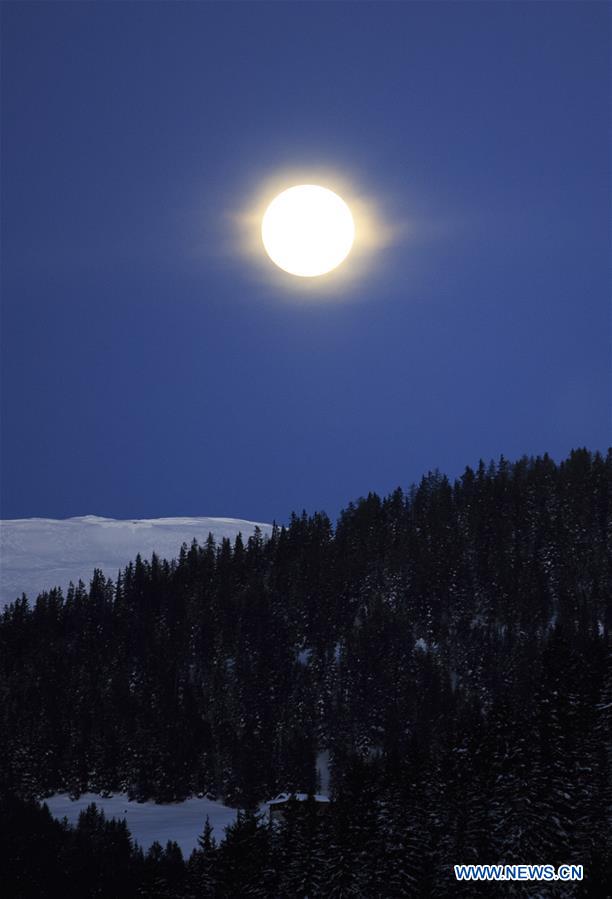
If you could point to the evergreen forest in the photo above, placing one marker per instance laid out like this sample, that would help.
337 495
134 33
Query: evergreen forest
448 646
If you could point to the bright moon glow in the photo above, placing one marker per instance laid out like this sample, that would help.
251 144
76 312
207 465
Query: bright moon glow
307 230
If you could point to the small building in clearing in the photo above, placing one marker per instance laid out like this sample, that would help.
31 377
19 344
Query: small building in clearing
278 805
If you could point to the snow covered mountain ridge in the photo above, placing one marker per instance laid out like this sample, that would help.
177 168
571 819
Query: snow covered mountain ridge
37 554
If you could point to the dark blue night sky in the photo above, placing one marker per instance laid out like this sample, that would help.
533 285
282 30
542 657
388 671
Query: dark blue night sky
148 367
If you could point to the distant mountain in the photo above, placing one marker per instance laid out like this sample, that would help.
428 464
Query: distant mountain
37 554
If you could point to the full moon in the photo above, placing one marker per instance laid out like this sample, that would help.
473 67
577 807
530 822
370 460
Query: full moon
307 230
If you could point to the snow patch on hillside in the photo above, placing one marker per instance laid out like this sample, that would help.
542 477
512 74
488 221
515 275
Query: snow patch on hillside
323 762
37 554
147 821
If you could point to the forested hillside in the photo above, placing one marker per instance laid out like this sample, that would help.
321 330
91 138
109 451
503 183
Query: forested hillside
450 646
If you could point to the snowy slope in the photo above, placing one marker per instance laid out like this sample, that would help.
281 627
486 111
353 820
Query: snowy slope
40 553
147 822
182 822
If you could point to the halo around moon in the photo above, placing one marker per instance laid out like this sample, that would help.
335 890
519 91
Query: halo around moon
307 230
